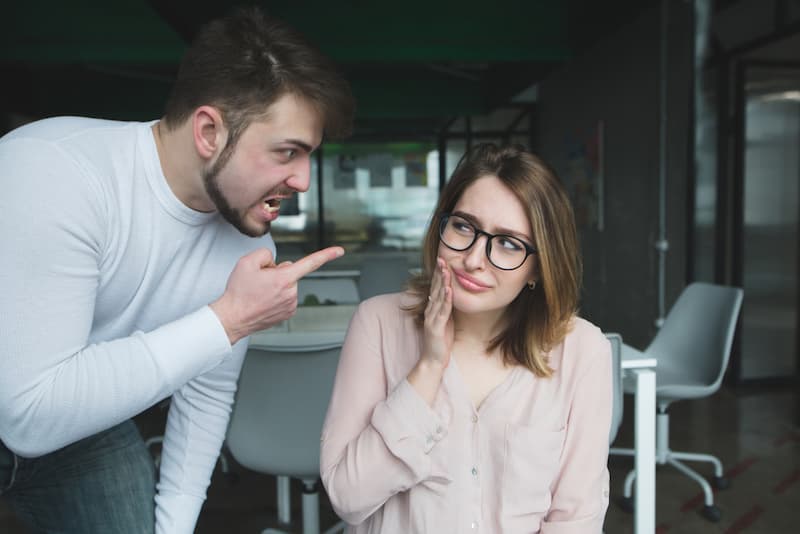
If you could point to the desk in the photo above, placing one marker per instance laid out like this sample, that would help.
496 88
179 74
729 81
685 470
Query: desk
311 327
644 499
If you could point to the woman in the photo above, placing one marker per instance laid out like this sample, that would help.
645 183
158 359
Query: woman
477 401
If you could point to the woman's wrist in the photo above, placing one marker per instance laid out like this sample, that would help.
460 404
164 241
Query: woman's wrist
425 378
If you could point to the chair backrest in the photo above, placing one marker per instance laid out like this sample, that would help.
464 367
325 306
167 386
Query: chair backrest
382 274
336 290
696 337
279 410
616 368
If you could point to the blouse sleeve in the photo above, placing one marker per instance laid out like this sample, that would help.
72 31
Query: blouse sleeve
580 493
370 430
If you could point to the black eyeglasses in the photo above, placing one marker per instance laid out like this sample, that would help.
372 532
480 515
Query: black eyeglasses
505 252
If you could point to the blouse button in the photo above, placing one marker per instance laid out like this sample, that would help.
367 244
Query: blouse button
474 472
474 418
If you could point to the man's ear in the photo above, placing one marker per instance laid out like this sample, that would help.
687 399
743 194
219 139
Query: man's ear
208 131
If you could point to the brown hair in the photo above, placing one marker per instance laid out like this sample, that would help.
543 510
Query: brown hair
535 320
244 62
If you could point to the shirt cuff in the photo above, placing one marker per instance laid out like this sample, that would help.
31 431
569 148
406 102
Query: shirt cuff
405 416
177 513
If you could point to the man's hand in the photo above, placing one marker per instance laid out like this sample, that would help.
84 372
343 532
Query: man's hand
260 294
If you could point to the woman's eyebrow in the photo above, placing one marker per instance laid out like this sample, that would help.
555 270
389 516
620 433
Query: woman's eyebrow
498 230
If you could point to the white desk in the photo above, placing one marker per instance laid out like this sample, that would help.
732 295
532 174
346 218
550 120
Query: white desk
312 327
644 499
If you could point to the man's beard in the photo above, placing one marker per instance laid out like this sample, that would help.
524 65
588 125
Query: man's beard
228 212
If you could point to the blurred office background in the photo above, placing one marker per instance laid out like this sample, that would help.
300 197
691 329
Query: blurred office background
674 124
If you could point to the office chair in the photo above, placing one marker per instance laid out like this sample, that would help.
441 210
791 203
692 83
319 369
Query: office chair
382 274
692 349
334 290
277 421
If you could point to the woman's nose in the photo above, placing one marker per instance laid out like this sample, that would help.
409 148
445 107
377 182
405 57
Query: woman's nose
476 254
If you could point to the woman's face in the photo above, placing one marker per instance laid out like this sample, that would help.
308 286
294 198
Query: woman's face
479 286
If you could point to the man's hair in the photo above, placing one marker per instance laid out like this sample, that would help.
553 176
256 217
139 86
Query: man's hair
536 320
242 63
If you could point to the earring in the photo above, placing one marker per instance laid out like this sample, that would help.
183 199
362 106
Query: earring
532 285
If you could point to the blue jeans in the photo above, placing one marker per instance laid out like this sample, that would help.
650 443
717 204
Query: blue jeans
102 484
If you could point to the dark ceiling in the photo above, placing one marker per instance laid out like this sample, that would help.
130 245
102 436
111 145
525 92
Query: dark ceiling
414 65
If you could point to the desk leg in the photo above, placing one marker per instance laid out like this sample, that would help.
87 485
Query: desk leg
645 452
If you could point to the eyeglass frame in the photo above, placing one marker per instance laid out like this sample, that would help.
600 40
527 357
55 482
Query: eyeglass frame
443 218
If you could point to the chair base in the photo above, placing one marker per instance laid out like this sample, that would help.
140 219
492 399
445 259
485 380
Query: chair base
711 513
709 510
309 506
666 456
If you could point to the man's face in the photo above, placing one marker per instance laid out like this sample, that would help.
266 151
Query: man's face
270 162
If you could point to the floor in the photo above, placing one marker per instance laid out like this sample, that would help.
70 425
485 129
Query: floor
754 431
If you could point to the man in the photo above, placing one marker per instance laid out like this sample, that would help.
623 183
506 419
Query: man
117 241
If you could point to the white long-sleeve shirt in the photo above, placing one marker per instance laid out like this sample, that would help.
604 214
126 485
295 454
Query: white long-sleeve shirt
106 278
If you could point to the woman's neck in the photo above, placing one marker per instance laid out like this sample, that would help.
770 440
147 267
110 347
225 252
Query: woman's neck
477 328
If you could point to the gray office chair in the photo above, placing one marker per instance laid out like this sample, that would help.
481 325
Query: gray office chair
277 421
692 349
335 290
382 274
616 367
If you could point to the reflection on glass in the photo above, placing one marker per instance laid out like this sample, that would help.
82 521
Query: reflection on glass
705 193
377 199
769 314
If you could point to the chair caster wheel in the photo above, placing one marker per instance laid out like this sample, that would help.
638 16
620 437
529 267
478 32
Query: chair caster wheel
711 513
721 483
626 504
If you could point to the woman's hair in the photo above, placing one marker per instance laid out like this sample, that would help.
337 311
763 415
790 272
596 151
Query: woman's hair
537 319
242 63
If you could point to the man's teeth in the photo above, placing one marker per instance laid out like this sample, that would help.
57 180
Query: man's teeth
273 205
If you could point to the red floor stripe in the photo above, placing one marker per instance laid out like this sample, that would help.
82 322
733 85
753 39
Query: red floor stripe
793 478
745 520
693 503
731 473
786 438
742 466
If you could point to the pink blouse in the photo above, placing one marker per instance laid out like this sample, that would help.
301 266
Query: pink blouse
531 459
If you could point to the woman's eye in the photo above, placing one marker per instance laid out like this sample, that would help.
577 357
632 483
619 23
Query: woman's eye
509 244
462 227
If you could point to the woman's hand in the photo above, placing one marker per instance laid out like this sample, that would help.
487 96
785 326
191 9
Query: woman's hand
437 336
438 327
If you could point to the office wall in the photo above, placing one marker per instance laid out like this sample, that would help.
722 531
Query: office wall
617 81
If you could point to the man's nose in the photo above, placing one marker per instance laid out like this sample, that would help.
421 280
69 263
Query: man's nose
300 179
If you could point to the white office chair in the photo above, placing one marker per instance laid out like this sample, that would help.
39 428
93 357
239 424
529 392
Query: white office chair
277 421
616 367
692 349
328 290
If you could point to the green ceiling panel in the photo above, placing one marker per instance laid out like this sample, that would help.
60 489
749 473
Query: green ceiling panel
417 62
87 31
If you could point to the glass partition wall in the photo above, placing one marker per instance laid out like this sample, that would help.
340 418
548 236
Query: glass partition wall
376 198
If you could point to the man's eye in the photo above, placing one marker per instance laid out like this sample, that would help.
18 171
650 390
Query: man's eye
289 154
